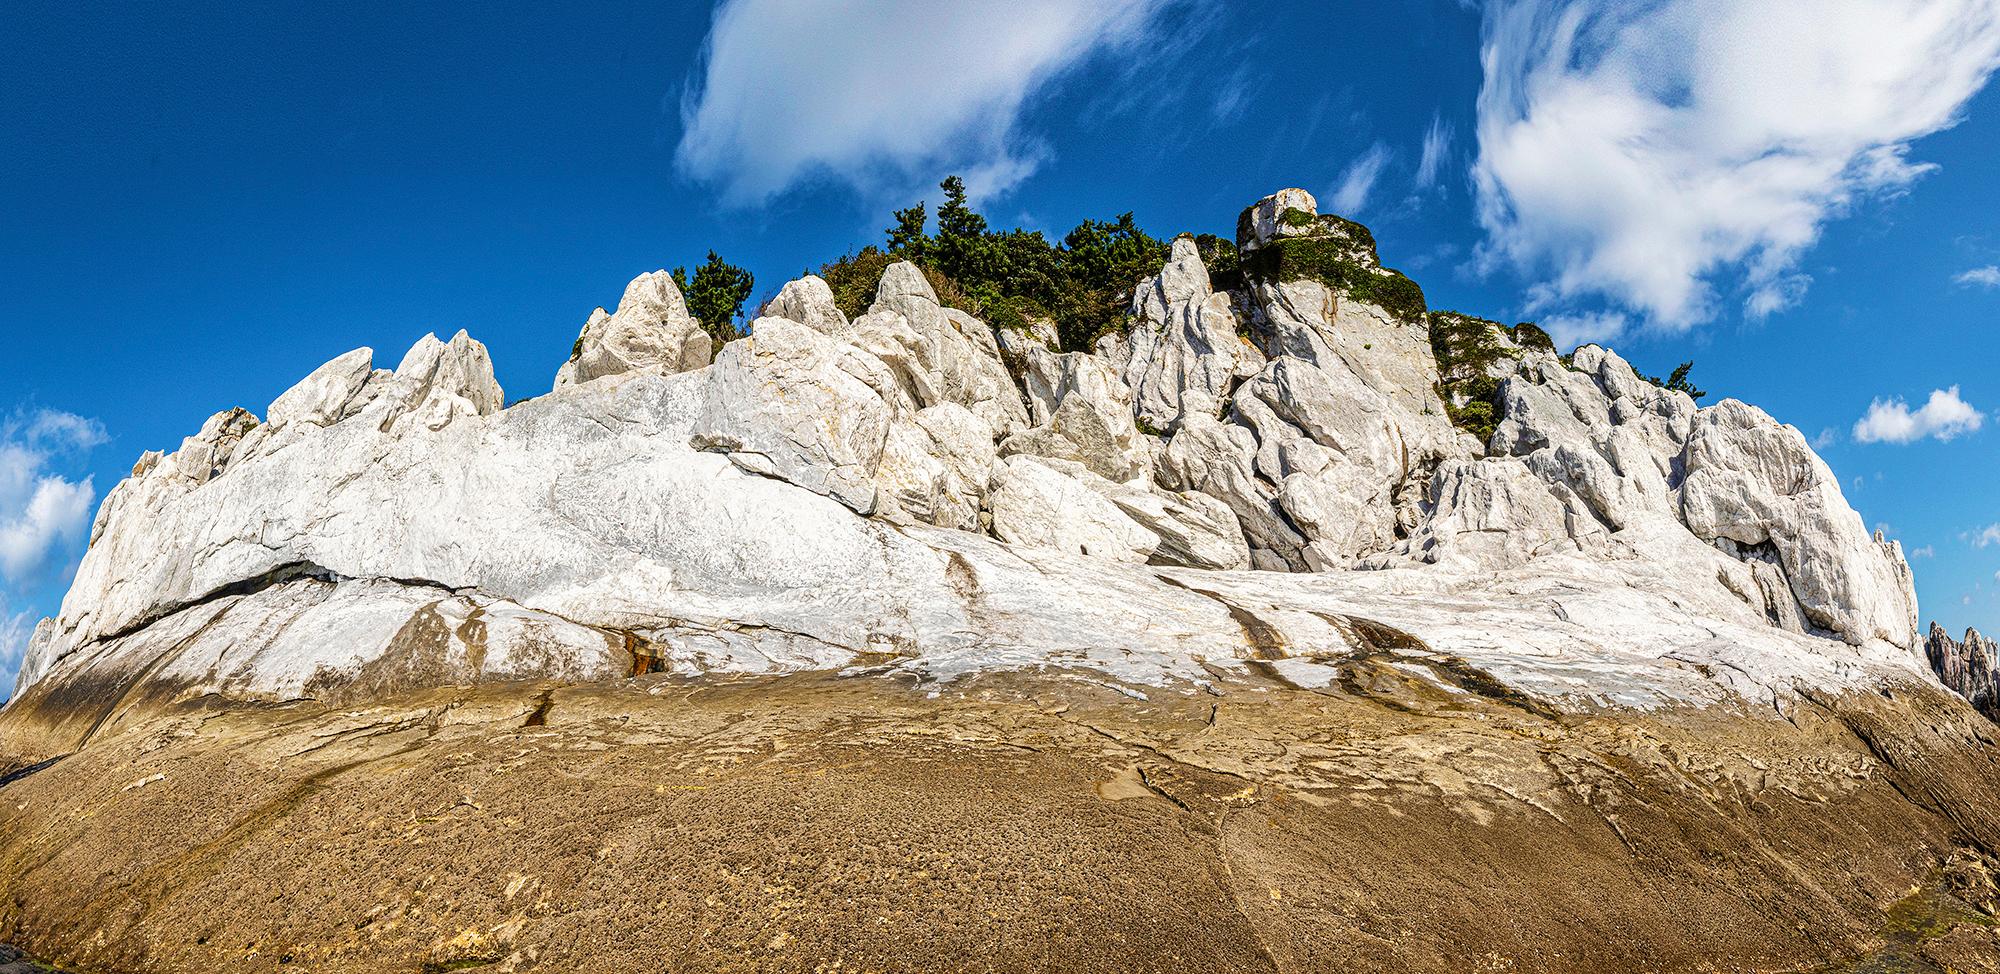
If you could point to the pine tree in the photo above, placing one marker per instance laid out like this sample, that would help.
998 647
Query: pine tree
715 296
907 238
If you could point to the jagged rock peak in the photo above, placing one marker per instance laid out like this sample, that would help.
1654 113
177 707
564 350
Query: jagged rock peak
328 394
651 330
808 301
1970 667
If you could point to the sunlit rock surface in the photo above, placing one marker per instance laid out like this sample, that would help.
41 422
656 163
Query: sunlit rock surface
1250 515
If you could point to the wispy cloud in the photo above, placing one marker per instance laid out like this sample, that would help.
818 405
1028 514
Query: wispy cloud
1229 100
1987 535
39 507
1636 151
1927 551
1988 277
1437 147
1351 196
1826 438
15 629
1944 416
880 94
1570 330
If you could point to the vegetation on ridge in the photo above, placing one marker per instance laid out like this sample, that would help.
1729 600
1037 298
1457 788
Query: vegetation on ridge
1338 253
1677 381
1467 348
1009 277
715 296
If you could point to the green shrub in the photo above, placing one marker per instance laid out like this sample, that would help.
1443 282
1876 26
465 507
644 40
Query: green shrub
1084 284
1529 335
1332 262
1225 265
1677 381
1478 417
853 278
715 295
1466 347
1296 218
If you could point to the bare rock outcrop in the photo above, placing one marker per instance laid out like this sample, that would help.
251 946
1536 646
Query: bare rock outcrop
651 330
1969 667
1288 586
1184 351
829 487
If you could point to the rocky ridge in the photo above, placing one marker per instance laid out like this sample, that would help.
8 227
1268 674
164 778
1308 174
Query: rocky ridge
1302 488
1967 667
831 489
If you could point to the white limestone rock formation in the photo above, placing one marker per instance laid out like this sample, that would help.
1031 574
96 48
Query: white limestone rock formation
1183 350
956 352
1083 412
1634 467
332 392
792 404
1969 667
1756 483
1039 506
831 487
651 330
1344 422
1040 333
809 301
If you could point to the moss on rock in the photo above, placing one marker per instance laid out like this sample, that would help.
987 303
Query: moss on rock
1467 347
1332 261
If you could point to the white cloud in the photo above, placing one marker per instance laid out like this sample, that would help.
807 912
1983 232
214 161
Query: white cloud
884 93
38 507
1826 438
1987 535
57 510
1633 151
1569 331
14 632
1437 146
1945 416
1359 180
1988 276
1927 551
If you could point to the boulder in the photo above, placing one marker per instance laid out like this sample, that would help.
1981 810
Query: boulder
1039 506
957 353
331 393
809 301
651 330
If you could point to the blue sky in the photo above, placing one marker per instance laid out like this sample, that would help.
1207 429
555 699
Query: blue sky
205 202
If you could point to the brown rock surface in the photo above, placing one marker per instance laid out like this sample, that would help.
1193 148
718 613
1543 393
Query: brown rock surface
815 823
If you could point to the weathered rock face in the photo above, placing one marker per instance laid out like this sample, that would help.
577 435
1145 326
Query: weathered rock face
1651 469
1968 667
1184 351
882 496
652 330
957 353
752 513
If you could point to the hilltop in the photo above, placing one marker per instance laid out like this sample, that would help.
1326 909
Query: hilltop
1276 621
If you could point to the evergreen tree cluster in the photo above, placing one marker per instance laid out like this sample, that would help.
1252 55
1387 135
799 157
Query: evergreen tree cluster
715 295
1084 283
